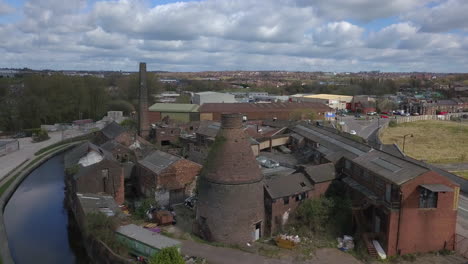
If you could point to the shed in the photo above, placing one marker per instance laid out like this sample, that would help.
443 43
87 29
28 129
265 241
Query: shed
144 242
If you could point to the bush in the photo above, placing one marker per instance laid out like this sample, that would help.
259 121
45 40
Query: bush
315 213
169 255
129 124
392 123
144 207
102 227
40 135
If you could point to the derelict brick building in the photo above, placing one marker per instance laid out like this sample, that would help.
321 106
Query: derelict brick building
230 191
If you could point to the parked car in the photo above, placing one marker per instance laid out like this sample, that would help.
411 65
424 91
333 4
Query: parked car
353 132
406 114
20 135
371 113
267 163
415 114
357 115
383 116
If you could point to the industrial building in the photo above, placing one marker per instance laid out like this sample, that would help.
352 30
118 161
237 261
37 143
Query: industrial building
212 97
175 112
335 101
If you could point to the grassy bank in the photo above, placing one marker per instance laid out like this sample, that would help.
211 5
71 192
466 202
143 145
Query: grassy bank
463 174
433 141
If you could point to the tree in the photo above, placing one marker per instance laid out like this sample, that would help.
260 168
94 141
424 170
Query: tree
169 255
315 213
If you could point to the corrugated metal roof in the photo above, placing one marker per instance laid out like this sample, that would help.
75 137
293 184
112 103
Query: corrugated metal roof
263 107
437 187
147 237
287 185
177 108
392 168
158 161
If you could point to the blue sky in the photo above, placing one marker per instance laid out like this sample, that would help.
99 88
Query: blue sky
294 35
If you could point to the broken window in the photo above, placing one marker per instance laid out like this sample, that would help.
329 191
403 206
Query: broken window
427 198
286 200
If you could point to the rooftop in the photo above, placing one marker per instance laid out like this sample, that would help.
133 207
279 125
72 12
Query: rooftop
158 160
321 173
284 185
330 97
261 107
147 237
179 108
98 203
113 130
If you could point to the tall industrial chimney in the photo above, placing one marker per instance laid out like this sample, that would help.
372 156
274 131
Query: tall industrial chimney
143 126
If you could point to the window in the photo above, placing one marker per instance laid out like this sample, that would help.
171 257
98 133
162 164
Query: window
348 164
427 198
303 184
300 197
286 200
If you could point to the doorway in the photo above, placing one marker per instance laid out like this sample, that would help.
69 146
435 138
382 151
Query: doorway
258 230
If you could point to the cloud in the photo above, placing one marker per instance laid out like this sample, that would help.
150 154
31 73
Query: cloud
5 9
301 35
446 16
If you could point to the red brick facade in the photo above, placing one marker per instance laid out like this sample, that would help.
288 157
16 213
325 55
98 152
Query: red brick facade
423 229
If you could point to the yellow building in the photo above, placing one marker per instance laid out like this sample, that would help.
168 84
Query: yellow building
334 101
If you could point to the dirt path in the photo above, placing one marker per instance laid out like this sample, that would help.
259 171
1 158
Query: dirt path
221 255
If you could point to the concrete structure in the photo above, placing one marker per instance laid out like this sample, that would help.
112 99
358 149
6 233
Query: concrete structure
8 146
265 111
91 169
395 200
168 178
174 112
143 124
230 193
335 101
212 97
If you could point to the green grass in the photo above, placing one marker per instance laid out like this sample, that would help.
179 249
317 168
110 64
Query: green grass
433 141
463 174
66 141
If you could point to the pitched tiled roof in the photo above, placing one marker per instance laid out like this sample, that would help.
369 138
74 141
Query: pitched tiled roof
113 130
158 160
287 185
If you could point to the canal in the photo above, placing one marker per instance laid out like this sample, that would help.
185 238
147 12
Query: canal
39 227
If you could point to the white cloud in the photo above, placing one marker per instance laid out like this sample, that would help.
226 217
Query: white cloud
230 35
5 8
447 16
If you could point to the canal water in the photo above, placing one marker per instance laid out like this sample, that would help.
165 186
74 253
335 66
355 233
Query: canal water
39 228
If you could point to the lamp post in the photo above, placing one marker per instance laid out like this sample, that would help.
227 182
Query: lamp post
404 139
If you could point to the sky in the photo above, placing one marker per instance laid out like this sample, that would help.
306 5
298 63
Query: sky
292 35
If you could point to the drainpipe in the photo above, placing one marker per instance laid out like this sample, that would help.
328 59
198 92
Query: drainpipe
399 222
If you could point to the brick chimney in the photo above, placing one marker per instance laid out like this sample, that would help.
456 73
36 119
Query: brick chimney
143 125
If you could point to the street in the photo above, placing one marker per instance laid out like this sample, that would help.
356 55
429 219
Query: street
27 149
364 128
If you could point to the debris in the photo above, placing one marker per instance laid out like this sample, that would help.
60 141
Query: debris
346 243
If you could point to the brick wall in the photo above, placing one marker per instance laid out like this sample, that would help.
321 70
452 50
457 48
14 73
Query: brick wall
278 208
320 189
92 181
421 229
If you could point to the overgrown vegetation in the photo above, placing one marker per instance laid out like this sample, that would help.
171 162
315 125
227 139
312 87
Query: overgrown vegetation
103 227
323 219
144 206
40 135
169 255
129 124
392 123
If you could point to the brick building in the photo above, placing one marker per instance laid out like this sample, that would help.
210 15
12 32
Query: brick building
168 178
230 205
264 111
90 169
405 206
115 132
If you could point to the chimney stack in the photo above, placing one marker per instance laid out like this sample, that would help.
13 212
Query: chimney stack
143 126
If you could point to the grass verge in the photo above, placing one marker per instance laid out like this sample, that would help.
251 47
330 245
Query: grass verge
433 141
463 174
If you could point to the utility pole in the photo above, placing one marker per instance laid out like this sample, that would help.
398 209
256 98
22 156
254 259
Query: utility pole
404 139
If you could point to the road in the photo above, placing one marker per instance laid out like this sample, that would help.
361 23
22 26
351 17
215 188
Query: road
27 149
364 128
